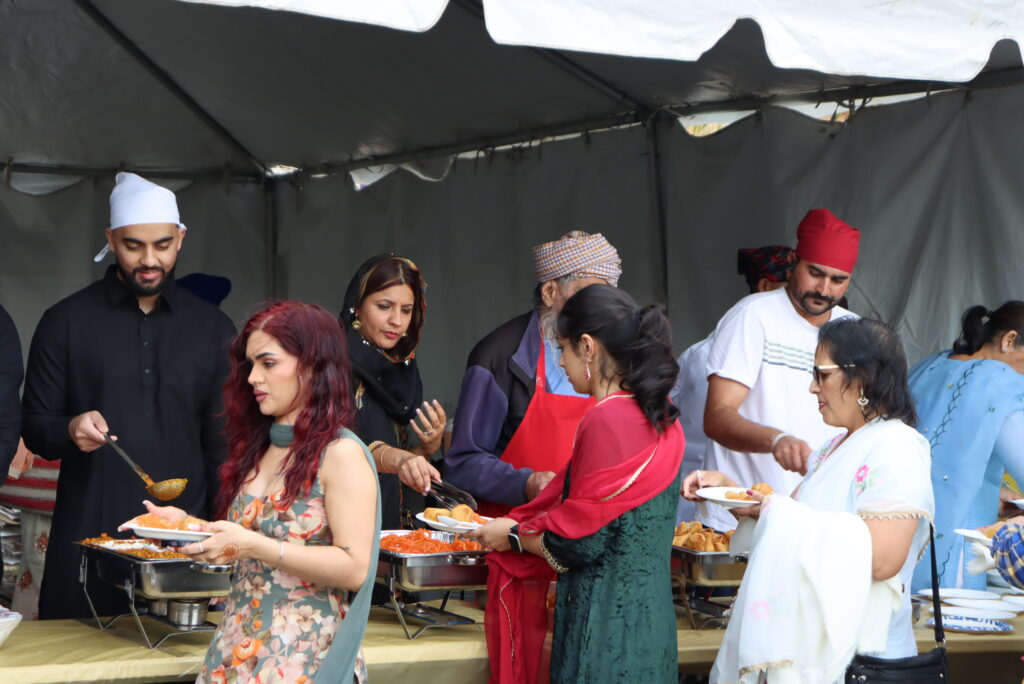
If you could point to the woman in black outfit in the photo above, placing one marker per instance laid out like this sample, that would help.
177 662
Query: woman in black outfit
383 317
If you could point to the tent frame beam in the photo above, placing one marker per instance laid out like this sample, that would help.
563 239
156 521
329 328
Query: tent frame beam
99 171
993 79
169 83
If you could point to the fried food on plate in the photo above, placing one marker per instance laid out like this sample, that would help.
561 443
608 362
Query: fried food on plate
155 522
694 536
990 530
432 513
762 488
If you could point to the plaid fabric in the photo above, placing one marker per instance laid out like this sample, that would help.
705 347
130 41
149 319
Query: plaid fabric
580 254
771 262
1008 551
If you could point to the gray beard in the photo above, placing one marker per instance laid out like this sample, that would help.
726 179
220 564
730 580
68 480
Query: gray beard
547 324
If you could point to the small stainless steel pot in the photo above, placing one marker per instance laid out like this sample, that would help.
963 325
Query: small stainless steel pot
158 607
187 613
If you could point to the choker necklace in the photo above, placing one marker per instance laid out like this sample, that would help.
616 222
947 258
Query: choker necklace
281 435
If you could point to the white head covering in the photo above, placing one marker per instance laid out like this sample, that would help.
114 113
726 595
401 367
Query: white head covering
135 200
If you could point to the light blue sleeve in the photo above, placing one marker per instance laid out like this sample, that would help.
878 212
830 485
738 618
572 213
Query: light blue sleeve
1009 446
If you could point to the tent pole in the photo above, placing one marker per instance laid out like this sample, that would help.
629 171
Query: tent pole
518 138
658 202
93 171
169 83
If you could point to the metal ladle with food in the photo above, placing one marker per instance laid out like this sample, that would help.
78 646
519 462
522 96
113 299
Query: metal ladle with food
165 490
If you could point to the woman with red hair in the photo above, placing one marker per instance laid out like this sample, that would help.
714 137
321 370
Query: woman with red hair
299 497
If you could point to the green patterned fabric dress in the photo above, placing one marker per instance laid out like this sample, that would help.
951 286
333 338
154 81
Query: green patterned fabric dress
614 617
277 628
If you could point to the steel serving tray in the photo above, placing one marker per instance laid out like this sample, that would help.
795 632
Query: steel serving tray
458 570
154 578
711 568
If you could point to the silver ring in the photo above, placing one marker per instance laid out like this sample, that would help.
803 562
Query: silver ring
201 548
428 432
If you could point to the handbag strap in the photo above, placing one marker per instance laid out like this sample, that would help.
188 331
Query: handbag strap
940 633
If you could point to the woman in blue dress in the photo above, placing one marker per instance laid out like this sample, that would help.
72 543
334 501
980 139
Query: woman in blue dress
970 406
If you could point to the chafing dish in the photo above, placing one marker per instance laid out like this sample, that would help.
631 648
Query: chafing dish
695 571
166 583
447 571
707 568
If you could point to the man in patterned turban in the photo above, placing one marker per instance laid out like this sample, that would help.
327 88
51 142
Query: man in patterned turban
517 411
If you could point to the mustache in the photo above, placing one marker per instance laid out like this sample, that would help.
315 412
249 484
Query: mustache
811 294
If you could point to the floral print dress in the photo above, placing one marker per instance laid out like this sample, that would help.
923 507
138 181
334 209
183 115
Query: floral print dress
277 627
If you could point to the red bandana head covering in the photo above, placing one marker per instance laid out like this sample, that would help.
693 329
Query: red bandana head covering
770 262
825 239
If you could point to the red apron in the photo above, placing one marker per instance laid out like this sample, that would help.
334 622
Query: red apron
543 441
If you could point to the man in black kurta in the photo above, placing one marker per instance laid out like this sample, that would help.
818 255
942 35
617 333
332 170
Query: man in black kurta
98 359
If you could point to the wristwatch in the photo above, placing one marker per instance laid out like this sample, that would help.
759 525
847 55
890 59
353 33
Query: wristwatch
513 539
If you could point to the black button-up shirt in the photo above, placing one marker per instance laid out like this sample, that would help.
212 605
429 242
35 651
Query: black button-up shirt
157 379
11 374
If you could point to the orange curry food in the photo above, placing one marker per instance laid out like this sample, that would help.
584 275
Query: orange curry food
132 547
420 541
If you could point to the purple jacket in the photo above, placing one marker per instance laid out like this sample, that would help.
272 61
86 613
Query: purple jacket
495 394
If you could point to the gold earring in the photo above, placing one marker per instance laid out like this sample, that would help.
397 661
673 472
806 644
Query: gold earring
356 325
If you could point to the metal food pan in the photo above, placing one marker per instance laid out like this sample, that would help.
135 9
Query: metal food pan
709 568
155 578
463 570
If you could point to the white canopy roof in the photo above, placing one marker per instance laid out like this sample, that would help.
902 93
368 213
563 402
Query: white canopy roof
204 88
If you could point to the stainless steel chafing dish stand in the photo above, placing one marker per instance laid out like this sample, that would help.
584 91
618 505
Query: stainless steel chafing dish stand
694 571
447 571
178 590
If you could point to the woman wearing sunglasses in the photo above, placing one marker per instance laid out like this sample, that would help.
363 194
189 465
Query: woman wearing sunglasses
852 529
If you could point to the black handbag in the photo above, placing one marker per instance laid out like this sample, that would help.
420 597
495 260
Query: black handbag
927 668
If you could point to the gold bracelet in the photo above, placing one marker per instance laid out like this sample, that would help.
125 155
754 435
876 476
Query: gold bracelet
372 447
555 565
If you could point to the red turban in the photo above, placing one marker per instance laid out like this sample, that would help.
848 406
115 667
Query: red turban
825 239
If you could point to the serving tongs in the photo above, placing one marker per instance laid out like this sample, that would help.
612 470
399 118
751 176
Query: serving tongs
165 490
450 496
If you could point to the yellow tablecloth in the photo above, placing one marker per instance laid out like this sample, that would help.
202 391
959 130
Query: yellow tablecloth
76 651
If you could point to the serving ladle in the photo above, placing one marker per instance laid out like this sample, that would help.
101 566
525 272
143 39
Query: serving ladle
165 490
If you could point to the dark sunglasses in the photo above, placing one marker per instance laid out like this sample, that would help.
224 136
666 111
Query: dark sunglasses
816 370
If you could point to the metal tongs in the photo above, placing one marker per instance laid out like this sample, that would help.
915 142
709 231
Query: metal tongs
450 496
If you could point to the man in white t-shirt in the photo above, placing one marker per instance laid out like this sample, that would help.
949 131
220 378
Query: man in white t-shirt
760 419
765 269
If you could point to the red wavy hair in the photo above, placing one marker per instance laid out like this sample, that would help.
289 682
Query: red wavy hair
315 338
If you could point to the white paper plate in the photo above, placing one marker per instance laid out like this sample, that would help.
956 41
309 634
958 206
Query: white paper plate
1016 600
446 524
952 592
985 604
1019 503
955 623
169 535
975 535
717 495
977 613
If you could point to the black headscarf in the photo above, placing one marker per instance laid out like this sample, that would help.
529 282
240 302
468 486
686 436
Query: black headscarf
388 391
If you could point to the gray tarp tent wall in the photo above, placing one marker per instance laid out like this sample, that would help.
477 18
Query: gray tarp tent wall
208 99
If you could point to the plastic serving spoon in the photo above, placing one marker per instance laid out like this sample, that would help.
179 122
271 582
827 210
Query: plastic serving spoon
165 490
